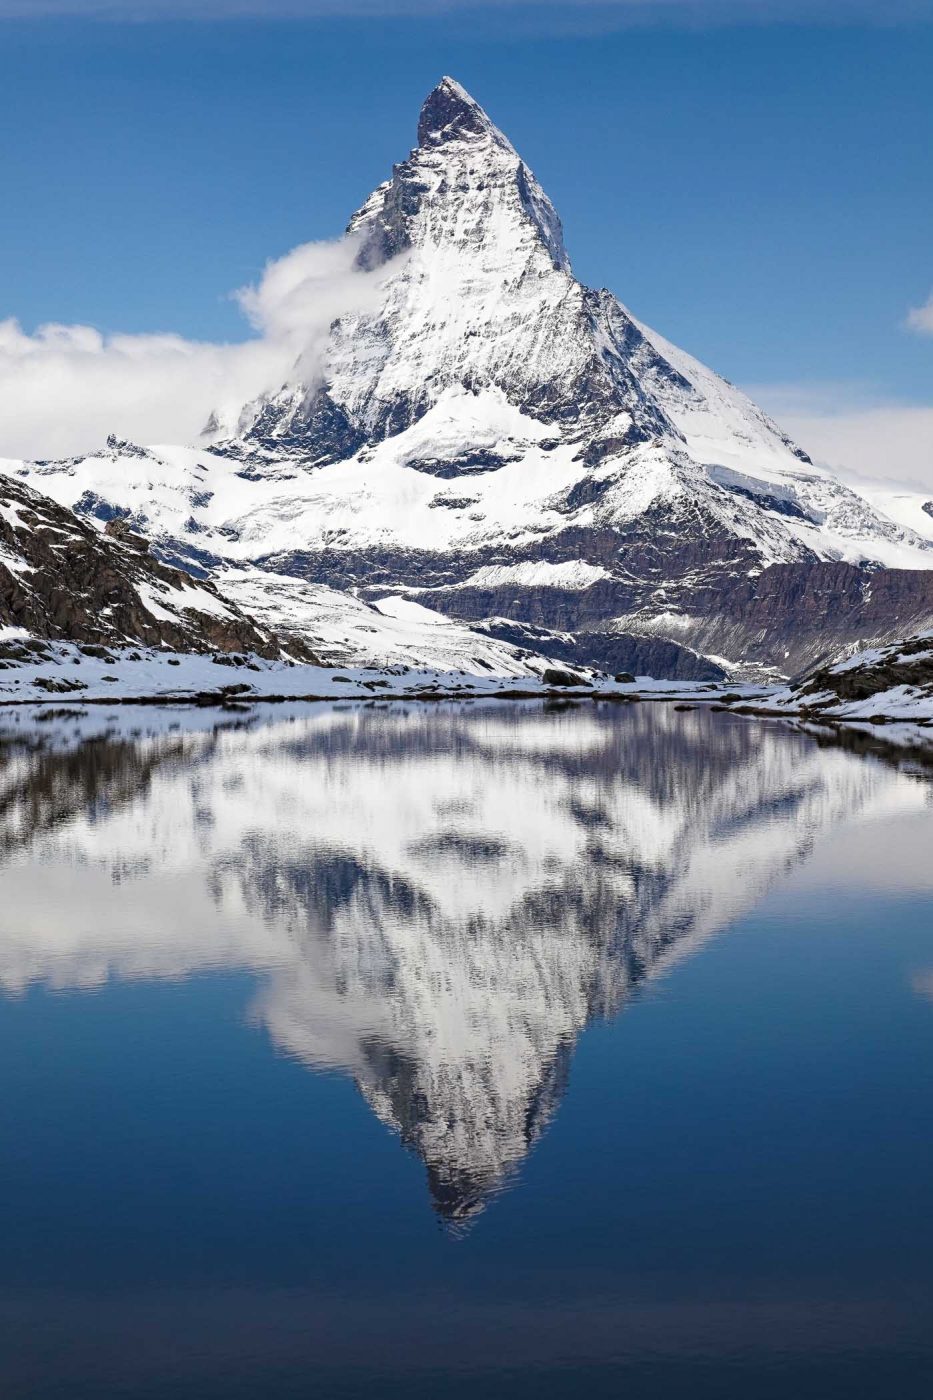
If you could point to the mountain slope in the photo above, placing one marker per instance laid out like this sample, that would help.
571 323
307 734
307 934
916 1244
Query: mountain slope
60 578
504 442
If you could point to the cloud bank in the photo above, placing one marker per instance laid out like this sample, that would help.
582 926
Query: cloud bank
64 388
850 428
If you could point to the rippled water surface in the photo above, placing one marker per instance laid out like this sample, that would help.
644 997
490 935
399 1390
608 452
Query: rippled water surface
489 1050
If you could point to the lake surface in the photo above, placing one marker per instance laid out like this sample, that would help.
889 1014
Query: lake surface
483 1050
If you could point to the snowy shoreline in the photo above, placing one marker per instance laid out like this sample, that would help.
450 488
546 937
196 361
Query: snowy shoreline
72 674
65 678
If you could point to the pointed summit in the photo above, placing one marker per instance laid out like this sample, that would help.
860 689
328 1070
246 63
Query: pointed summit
449 113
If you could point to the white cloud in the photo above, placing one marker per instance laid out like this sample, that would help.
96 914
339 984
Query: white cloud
920 318
64 388
851 428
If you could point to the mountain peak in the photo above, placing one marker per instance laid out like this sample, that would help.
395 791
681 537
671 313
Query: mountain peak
449 112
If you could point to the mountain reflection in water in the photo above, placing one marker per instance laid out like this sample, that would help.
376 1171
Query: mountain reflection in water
437 900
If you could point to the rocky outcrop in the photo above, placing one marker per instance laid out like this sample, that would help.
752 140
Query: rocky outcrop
62 579
897 679
609 651
796 616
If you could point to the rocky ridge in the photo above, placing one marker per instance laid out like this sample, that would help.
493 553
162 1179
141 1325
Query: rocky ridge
878 685
62 579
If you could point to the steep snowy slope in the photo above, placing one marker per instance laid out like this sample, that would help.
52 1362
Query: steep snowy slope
390 631
909 506
519 446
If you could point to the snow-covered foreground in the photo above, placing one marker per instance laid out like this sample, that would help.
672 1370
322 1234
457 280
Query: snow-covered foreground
65 671
890 686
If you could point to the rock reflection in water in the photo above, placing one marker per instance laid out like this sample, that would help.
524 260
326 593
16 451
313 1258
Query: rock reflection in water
438 901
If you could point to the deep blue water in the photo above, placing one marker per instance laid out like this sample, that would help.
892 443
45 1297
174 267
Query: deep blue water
464 1051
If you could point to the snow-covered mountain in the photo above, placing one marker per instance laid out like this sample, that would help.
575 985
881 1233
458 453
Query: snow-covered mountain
434 901
502 442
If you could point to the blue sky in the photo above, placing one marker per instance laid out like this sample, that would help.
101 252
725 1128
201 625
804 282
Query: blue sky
758 190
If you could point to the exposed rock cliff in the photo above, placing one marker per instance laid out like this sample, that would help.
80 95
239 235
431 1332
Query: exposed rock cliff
60 578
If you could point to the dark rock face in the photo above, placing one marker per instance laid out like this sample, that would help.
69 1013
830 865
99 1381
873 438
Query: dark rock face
657 560
614 653
449 111
787 617
467 464
60 579
584 493
315 422
802 613
117 529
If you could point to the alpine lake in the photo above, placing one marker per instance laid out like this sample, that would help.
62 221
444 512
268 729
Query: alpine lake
469 1049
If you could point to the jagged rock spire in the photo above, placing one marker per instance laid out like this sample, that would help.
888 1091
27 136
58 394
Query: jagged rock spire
450 112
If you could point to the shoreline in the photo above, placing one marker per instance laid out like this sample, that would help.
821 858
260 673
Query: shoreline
67 677
888 737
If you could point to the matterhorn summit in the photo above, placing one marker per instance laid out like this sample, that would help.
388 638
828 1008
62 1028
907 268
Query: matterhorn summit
506 446
484 302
